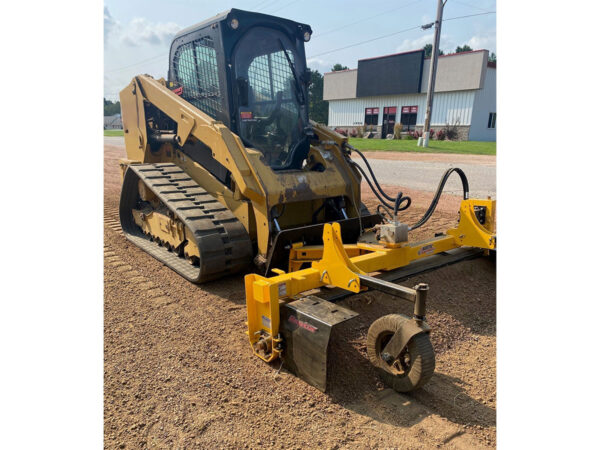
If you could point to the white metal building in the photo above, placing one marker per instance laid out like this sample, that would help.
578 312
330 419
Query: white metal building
389 89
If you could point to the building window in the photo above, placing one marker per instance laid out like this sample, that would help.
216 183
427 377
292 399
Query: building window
371 116
408 118
492 120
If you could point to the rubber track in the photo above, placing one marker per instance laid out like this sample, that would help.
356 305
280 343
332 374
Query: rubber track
222 240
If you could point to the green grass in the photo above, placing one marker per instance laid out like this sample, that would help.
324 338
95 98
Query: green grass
464 147
113 132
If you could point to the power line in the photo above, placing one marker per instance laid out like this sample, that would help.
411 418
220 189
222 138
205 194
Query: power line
137 63
469 5
324 53
267 5
470 15
364 42
284 6
261 4
365 19
396 32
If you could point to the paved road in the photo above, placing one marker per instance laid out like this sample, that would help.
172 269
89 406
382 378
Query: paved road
420 175
425 176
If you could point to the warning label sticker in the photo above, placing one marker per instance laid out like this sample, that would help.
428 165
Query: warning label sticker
282 289
266 322
246 115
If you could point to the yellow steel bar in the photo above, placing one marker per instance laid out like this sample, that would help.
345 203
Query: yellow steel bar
332 264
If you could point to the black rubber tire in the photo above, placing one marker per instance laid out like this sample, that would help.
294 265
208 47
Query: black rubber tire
422 356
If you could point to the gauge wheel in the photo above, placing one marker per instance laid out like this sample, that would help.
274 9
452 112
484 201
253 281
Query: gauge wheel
415 364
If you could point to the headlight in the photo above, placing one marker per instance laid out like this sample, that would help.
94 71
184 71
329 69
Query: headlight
234 24
306 36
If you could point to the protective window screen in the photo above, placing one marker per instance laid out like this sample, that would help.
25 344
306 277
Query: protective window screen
195 65
271 116
269 74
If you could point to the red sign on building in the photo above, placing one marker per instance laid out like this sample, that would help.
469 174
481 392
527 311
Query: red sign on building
414 109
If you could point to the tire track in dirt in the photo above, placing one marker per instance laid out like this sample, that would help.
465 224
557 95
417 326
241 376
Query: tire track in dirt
179 372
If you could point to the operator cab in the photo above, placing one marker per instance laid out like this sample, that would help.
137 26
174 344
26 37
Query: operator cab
248 70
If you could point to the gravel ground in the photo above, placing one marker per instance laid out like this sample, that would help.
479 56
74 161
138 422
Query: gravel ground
179 372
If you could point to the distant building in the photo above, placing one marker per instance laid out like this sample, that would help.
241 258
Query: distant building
392 89
113 122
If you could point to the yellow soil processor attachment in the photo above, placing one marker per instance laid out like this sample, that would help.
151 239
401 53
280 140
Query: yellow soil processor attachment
224 170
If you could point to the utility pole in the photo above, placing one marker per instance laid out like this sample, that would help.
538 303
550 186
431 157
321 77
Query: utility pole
432 70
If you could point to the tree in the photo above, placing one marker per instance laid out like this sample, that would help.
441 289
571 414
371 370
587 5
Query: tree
464 48
429 50
492 57
337 67
318 109
110 108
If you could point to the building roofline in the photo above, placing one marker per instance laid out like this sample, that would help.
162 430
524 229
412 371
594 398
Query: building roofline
490 64
460 53
338 71
392 54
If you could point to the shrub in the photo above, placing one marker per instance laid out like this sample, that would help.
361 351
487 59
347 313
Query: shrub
398 131
431 133
440 135
451 131
360 131
341 131
416 134
353 132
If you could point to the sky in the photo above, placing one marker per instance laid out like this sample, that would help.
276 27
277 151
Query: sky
138 33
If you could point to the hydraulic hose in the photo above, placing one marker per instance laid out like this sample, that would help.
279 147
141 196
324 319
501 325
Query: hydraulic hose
397 206
436 198
401 202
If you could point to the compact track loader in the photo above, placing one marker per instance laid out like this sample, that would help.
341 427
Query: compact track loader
225 172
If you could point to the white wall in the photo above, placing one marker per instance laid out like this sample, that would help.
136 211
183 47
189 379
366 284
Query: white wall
457 72
447 106
484 104
339 85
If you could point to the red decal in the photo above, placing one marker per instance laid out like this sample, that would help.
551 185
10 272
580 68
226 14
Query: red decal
246 115
299 323
425 250
178 91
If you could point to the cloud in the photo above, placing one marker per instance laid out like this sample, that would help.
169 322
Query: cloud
138 32
486 40
134 47
319 64
420 42
110 24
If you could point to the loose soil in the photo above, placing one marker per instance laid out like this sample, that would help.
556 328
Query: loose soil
179 372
